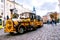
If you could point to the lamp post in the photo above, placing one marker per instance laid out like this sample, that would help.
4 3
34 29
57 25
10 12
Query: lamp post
14 6
13 2
4 9
4 14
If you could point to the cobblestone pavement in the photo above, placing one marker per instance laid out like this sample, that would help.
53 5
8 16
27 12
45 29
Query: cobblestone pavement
47 32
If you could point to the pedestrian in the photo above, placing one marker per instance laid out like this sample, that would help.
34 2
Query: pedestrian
53 21
48 22
7 17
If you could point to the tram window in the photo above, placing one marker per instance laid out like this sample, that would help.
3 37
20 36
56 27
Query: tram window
38 18
31 16
15 15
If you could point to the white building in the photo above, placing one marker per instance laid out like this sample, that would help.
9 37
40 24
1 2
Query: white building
1 7
6 5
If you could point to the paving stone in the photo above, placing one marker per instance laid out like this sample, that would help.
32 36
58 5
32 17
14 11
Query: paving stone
47 32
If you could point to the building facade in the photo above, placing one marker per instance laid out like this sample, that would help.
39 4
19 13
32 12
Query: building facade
1 8
6 5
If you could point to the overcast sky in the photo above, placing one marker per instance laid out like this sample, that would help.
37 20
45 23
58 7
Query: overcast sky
42 6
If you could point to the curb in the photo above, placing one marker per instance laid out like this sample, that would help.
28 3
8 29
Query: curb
2 28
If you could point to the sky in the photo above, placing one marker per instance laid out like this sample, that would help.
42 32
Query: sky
41 6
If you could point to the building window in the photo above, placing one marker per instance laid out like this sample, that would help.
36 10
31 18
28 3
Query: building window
2 0
2 13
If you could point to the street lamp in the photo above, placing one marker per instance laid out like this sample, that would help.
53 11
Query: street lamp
4 10
14 4
4 13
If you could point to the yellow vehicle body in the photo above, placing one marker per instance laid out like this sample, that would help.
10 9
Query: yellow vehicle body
35 23
14 26
9 26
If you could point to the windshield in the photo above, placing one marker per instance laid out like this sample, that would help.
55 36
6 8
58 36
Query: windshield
24 15
15 15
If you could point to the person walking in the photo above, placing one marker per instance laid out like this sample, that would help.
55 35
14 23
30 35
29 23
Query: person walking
54 21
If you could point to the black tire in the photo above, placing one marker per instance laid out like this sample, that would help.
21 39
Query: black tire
21 30
34 28
38 26
31 28
41 26
11 33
